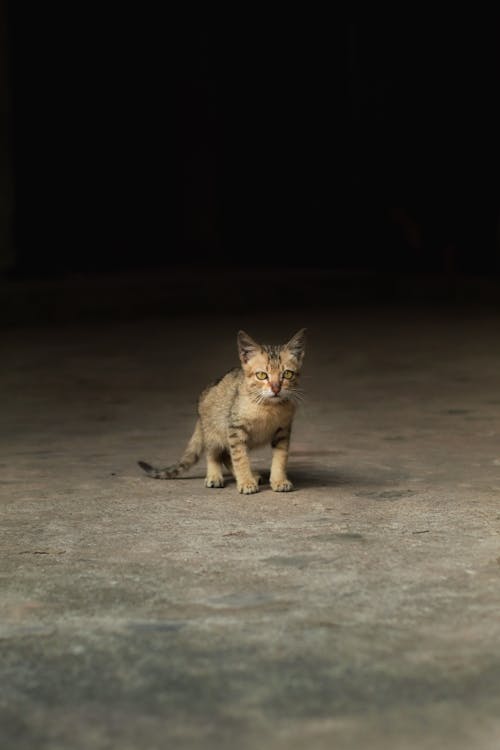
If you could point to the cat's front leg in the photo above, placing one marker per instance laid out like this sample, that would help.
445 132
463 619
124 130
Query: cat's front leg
214 476
247 483
280 444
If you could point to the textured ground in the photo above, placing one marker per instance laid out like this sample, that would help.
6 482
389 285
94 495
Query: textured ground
360 611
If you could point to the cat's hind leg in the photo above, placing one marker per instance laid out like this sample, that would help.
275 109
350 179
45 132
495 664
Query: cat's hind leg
226 460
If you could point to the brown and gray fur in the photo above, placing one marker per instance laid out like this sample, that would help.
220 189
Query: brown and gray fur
244 410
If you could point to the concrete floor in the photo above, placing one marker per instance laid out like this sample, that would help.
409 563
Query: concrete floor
360 611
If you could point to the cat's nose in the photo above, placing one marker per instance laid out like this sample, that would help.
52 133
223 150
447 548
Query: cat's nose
275 387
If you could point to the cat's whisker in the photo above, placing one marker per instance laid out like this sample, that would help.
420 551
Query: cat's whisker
259 398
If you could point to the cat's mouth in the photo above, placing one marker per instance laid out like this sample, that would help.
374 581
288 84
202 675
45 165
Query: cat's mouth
275 396
270 397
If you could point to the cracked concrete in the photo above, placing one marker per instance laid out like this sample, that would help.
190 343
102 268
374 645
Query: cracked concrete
361 610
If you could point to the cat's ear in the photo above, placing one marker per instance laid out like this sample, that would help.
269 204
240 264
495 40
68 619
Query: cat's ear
247 347
297 345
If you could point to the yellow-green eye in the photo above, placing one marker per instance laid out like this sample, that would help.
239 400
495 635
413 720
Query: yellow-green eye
288 374
261 375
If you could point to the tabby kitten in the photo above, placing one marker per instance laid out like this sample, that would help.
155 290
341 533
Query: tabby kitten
249 406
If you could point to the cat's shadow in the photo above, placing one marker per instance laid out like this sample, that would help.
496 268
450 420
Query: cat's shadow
311 475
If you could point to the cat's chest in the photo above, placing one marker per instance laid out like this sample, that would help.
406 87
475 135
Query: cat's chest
263 423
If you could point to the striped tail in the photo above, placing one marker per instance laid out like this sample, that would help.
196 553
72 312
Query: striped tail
190 456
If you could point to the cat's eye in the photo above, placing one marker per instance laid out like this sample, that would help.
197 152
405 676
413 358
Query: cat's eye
288 374
260 375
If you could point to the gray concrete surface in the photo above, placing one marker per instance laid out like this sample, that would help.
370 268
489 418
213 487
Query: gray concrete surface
360 611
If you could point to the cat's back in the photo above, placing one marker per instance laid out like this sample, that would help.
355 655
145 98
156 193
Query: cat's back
221 393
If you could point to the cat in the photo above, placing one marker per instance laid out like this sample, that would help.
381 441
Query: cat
249 406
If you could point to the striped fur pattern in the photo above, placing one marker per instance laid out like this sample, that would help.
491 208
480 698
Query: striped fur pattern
250 406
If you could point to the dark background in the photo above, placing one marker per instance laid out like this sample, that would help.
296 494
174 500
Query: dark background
137 139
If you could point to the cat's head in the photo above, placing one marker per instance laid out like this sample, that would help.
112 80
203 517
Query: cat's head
272 372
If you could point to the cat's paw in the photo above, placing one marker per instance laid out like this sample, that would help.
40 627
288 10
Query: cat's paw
258 478
214 482
248 488
281 485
